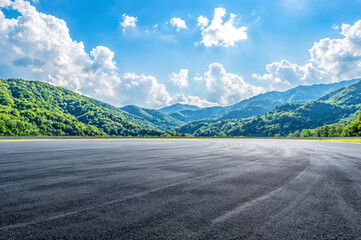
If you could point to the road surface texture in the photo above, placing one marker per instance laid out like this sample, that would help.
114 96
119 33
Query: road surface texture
180 189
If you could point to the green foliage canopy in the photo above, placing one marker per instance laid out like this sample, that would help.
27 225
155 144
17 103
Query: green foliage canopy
32 108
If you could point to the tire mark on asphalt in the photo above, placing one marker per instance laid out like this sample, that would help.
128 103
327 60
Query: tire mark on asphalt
295 201
349 209
141 194
255 201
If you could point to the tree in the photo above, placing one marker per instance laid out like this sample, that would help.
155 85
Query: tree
305 133
222 135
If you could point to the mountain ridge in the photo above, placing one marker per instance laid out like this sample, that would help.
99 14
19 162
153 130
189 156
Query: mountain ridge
262 103
286 118
178 107
163 121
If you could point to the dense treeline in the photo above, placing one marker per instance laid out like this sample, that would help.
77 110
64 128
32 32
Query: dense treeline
354 129
31 108
334 130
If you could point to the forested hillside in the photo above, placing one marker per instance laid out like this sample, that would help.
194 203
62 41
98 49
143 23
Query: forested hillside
333 130
125 115
283 120
340 106
161 120
37 108
354 129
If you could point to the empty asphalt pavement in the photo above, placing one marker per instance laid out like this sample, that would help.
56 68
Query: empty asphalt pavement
180 189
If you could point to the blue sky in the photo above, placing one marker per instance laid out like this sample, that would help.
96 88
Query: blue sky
282 32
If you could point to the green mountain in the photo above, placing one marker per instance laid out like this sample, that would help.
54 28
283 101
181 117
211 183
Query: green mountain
161 120
261 104
119 112
344 96
340 106
204 113
178 107
37 108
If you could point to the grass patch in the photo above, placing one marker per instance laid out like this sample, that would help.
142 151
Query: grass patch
357 140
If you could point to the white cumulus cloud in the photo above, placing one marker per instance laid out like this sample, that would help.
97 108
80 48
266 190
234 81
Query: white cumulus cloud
180 79
220 33
195 100
128 21
284 75
341 58
227 88
146 91
331 60
178 23
192 100
39 46
143 90
103 58
202 22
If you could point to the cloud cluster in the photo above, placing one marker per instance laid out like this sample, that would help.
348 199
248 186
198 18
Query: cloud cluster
128 21
341 58
214 33
220 33
142 90
192 100
180 79
331 60
226 88
38 46
145 91
178 23
284 75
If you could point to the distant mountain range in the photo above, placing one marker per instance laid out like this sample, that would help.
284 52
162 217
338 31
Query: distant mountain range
178 107
340 106
37 108
261 104
163 121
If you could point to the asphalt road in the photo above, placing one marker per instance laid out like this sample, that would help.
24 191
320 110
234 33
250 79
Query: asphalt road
180 189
